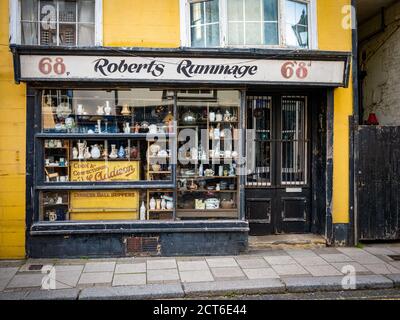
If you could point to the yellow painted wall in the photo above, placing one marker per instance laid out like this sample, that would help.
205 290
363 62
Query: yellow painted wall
332 36
149 23
12 151
141 23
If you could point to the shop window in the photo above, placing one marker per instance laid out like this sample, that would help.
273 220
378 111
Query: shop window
137 154
248 23
57 22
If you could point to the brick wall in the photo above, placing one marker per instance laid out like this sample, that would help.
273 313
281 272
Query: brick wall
382 63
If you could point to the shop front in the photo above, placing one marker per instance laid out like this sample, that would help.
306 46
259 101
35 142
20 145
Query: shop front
175 152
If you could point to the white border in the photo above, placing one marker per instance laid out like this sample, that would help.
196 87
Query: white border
15 30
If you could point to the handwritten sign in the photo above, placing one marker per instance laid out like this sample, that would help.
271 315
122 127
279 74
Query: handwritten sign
94 171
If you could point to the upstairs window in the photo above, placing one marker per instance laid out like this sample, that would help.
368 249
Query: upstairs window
248 23
58 22
252 22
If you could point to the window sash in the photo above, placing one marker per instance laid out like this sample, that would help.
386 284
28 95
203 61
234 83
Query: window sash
91 36
281 22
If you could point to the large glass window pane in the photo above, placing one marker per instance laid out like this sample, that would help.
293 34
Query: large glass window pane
204 24
253 10
253 33
296 23
143 114
208 149
89 205
29 33
253 22
85 34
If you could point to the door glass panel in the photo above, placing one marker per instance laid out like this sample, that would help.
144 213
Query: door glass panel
259 141
293 141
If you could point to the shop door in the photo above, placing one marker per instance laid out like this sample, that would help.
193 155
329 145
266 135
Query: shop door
277 182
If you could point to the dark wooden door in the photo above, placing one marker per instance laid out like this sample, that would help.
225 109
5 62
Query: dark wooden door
277 184
379 183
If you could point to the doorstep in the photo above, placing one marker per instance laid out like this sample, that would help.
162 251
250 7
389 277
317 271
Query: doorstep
284 241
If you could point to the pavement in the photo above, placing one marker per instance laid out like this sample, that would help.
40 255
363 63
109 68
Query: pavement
263 272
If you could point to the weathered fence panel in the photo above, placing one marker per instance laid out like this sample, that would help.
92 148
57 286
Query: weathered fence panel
378 183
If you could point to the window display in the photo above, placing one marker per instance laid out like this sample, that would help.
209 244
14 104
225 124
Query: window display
96 139
208 153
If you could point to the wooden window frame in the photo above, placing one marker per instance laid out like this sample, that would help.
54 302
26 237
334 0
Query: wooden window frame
15 23
312 26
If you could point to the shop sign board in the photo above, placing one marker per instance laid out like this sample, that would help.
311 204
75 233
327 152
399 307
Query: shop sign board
178 69
104 205
99 171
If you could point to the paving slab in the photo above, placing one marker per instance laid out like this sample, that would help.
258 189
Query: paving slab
67 279
221 262
228 273
6 274
150 291
278 260
322 271
309 284
261 273
99 266
64 294
379 250
338 257
127 279
320 251
382 268
351 251
367 259
290 269
29 280
68 268
192 265
311 261
250 263
196 276
96 278
130 268
161 264
162 275
343 267
218 288
300 253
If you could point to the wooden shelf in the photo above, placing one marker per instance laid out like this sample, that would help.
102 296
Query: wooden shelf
161 211
217 213
207 177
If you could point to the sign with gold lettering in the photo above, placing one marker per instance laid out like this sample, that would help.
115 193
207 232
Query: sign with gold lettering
104 205
94 171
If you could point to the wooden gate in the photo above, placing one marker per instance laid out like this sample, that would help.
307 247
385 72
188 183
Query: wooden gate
378 183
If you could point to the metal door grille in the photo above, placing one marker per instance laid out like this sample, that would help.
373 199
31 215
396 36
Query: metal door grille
276 141
259 141
293 141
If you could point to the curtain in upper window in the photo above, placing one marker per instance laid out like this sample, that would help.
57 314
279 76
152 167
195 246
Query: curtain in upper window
252 22
58 22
